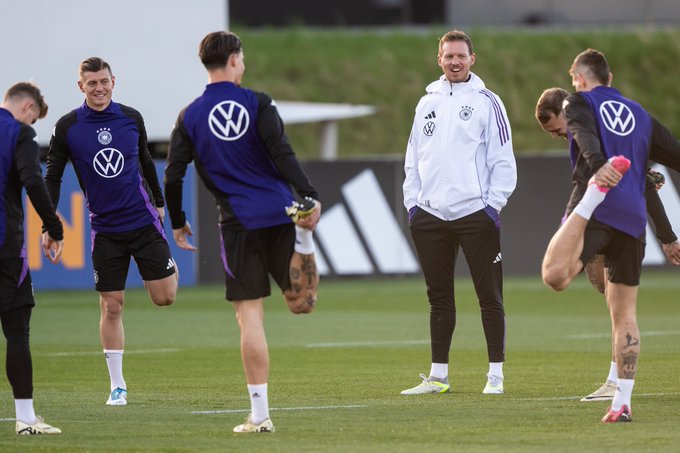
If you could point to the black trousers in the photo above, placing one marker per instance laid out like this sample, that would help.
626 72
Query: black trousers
18 364
437 243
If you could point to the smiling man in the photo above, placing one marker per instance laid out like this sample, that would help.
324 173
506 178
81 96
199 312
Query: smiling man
106 142
460 172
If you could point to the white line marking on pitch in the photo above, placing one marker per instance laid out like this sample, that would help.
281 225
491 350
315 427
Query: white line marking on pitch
130 351
651 333
353 344
309 408
562 398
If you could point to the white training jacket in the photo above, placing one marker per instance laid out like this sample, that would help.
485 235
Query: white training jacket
459 156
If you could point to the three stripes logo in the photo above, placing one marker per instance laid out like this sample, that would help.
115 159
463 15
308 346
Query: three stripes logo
498 258
431 115
501 117
360 235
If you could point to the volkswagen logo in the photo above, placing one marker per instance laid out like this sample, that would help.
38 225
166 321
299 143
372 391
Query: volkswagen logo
617 117
428 129
228 120
108 162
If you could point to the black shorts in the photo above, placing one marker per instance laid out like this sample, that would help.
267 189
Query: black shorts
623 254
111 254
16 287
249 257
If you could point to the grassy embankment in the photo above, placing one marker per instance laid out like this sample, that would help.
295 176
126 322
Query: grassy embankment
390 69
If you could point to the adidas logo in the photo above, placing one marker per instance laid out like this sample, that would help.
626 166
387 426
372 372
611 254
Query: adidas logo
171 264
497 259
360 234
431 115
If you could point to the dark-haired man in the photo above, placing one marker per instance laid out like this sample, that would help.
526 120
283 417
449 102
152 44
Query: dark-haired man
236 139
550 116
22 106
106 142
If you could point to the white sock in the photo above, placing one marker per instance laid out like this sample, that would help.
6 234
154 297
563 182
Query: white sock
259 403
496 369
591 200
304 242
624 390
613 373
24 410
114 362
439 371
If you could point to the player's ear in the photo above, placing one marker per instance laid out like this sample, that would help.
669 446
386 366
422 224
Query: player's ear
233 60
28 105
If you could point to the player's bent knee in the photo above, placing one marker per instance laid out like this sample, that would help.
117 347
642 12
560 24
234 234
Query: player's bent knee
163 292
164 302
165 298
300 305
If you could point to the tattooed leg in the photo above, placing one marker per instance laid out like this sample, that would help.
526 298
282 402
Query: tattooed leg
304 278
622 301
596 273
629 351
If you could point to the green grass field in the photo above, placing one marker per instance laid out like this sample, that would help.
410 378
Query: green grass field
336 374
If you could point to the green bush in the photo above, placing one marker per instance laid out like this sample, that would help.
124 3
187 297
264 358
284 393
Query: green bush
390 69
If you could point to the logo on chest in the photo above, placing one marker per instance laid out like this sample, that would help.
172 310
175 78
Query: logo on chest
465 113
108 163
617 117
228 120
104 135
428 129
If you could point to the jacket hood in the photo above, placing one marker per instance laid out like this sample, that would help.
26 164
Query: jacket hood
444 86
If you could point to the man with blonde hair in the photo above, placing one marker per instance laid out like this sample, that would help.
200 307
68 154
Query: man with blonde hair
22 106
107 144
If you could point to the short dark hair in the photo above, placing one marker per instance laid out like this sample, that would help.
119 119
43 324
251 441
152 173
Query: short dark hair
94 64
27 89
216 48
455 35
550 102
594 63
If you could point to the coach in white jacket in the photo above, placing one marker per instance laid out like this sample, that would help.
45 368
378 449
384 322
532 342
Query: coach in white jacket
460 171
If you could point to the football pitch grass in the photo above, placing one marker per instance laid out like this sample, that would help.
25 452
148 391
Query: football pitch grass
337 373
